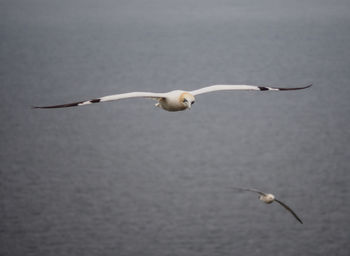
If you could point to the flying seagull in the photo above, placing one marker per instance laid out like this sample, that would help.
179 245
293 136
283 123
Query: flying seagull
177 100
269 198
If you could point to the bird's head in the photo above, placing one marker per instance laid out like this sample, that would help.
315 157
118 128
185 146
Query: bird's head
187 100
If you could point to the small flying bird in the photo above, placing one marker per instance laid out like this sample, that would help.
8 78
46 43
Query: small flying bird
269 198
177 100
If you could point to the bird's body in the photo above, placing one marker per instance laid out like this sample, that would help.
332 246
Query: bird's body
176 100
267 198
270 198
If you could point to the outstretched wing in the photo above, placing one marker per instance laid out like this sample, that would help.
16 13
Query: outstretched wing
290 210
214 88
250 189
110 98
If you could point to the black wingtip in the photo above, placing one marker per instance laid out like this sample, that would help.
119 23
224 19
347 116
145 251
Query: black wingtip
236 188
306 86
38 107
298 219
295 88
74 104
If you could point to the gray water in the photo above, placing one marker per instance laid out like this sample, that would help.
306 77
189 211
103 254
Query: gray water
126 178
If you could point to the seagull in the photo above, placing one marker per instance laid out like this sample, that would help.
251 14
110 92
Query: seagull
269 198
176 100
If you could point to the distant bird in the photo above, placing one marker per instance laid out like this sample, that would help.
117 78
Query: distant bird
177 100
269 198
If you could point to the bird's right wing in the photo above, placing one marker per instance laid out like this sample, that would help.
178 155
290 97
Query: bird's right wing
250 189
110 98
289 209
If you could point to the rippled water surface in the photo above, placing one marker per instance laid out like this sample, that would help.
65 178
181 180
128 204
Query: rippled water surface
126 178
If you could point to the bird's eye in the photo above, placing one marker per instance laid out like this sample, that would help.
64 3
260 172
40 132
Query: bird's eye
185 100
192 102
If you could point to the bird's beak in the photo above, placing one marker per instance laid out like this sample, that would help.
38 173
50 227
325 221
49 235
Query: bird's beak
189 105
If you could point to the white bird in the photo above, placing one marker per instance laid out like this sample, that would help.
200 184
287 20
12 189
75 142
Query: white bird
177 100
269 198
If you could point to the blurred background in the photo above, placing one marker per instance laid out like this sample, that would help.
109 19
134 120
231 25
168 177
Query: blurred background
127 178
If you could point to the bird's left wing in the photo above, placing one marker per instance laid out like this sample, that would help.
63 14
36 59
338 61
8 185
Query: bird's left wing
214 88
290 210
110 98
